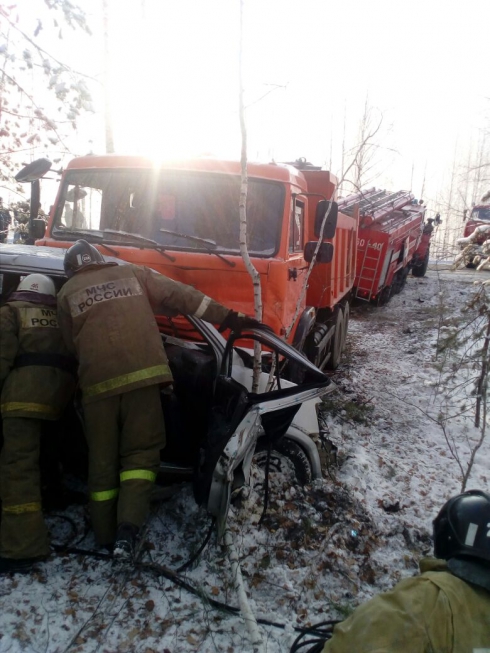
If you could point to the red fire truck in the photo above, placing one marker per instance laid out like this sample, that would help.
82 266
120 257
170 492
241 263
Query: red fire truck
479 217
392 240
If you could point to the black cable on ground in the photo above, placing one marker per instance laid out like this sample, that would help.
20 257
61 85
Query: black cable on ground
321 632
63 549
318 631
165 572
173 576
193 558
102 555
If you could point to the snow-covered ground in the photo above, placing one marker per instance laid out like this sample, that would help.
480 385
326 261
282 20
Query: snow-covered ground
320 550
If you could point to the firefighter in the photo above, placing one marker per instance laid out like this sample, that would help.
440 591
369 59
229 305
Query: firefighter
36 380
447 607
107 316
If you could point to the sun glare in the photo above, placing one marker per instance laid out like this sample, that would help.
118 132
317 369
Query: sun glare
178 96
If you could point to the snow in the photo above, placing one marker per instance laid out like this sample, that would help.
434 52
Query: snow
320 550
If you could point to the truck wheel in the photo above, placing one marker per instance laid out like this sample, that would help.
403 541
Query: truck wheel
384 296
419 269
337 340
285 454
346 324
400 280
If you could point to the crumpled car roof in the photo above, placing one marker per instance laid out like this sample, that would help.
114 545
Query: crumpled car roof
33 259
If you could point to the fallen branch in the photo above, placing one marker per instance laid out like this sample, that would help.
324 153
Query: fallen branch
245 609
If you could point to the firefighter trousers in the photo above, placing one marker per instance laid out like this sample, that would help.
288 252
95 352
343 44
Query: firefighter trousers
125 434
23 533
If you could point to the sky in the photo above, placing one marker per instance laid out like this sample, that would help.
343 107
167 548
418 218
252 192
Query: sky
309 69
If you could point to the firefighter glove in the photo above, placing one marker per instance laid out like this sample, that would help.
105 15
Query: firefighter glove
236 322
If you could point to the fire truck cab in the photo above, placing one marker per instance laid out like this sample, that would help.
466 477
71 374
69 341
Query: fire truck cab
479 216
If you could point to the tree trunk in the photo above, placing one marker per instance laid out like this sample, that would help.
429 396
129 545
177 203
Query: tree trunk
109 136
243 216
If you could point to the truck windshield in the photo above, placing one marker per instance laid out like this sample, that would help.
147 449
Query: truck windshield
481 213
169 206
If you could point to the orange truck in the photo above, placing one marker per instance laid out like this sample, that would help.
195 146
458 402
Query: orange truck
182 219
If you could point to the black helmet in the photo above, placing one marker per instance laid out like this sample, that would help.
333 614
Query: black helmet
80 256
462 528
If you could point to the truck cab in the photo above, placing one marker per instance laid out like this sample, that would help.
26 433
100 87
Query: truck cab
479 216
181 218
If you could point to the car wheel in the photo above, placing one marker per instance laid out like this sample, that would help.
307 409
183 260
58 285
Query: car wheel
286 454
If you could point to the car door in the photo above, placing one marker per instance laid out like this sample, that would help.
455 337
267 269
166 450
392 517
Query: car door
239 416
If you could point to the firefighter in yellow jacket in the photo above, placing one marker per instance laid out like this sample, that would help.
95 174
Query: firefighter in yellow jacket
107 316
444 610
36 380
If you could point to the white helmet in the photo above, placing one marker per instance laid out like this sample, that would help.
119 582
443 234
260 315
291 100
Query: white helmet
39 283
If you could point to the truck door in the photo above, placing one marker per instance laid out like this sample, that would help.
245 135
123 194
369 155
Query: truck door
296 268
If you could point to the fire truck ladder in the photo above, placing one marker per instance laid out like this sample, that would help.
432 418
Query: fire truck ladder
376 203
386 205
369 264
362 199
397 219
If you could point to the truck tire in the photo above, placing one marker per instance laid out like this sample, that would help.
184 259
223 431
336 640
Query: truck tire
346 324
285 451
400 280
384 296
419 269
306 324
337 340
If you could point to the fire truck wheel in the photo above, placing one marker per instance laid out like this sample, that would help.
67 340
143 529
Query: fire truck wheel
337 340
384 296
420 269
285 454
400 280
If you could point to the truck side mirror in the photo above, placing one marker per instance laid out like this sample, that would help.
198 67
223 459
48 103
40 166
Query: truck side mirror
325 253
38 228
33 171
331 221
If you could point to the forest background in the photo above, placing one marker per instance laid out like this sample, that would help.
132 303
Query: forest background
160 78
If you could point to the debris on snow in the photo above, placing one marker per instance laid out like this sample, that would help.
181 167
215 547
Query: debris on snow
320 549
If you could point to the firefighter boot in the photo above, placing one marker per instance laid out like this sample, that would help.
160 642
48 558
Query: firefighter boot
125 544
19 565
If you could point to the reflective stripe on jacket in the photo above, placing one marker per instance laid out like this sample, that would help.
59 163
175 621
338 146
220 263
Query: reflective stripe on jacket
107 316
33 362
435 612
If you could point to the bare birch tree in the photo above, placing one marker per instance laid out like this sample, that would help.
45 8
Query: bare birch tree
255 276
109 135
356 158
360 163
